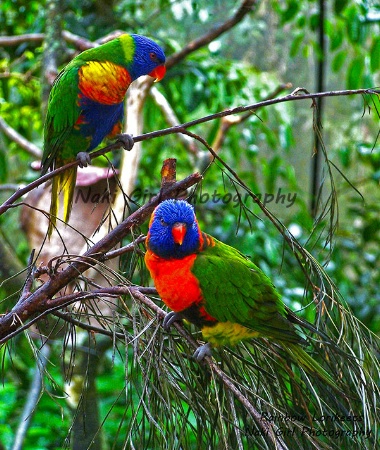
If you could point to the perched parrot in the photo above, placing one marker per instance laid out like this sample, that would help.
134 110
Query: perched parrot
215 287
86 105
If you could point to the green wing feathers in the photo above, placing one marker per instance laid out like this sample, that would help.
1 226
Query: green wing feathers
236 290
63 112
243 294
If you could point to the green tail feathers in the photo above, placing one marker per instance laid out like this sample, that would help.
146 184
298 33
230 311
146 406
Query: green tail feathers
63 182
309 364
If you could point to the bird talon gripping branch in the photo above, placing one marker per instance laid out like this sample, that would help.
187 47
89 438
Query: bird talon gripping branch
126 140
202 351
84 159
170 318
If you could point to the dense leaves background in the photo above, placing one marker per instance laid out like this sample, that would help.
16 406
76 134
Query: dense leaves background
272 150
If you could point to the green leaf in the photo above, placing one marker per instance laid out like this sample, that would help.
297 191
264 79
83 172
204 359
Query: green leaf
290 12
375 55
354 25
336 38
344 156
3 167
314 21
354 73
338 60
339 6
294 48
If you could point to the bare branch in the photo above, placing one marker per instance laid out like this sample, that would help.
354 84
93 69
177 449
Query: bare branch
79 42
9 41
132 247
229 121
19 139
204 40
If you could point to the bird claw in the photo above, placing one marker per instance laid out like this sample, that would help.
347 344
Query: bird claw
126 140
84 159
202 351
170 318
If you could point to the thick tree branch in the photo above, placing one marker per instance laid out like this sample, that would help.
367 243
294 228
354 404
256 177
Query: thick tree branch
52 48
41 299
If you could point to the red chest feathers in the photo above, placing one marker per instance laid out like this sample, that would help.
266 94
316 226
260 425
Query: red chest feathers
176 285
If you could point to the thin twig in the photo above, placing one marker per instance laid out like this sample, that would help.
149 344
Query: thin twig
88 326
29 278
132 247
33 396
229 121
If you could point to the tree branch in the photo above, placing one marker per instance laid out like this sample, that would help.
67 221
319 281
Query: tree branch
228 121
10 41
204 40
41 299
12 134
172 119
137 293
80 42
294 96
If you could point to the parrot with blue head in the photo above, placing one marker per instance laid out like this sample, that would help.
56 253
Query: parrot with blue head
214 286
86 105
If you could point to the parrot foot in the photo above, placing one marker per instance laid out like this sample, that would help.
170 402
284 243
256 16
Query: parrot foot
170 318
126 140
84 159
202 351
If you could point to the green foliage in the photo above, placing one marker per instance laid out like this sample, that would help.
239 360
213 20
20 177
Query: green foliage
350 32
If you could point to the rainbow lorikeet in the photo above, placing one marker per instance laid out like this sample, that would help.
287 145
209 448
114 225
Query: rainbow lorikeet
86 105
215 287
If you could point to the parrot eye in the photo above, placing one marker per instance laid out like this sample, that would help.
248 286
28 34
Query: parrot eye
153 57
163 223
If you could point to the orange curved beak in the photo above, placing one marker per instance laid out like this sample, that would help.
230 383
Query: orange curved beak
158 73
179 232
